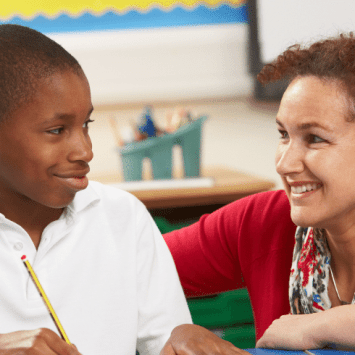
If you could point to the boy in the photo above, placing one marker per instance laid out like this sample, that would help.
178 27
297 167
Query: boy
96 251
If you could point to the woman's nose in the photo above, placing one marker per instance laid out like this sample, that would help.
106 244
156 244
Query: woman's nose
289 159
81 148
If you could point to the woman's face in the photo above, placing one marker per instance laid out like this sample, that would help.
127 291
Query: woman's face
316 154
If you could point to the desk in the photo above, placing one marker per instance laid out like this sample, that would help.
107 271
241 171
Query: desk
192 203
299 352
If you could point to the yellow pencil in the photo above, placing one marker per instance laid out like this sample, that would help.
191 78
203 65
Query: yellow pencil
45 298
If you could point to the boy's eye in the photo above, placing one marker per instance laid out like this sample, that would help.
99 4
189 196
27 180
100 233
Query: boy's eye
86 124
56 130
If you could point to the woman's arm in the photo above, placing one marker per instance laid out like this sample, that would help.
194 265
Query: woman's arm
212 255
334 328
247 243
205 253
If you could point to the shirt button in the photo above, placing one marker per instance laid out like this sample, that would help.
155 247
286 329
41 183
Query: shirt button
18 246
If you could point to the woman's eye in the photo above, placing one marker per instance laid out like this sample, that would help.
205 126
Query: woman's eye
316 139
283 134
86 124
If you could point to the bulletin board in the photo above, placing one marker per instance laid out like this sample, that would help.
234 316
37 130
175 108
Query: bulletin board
92 15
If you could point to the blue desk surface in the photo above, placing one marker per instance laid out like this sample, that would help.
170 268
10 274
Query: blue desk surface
298 352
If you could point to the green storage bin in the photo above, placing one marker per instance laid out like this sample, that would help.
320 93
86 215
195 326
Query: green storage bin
228 314
159 151
242 337
223 310
165 226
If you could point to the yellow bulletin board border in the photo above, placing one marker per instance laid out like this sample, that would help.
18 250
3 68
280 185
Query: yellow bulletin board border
30 9
61 19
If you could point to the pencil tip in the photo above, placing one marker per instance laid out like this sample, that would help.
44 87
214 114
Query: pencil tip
23 257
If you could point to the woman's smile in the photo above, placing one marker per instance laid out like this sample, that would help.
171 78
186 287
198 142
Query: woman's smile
300 189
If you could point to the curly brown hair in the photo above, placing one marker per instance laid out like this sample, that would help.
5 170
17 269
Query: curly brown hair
330 59
333 58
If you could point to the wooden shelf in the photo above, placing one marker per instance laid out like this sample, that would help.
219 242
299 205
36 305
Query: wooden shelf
229 186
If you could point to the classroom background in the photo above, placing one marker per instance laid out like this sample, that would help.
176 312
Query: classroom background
167 54
199 55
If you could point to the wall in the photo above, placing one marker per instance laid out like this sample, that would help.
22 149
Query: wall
165 64
301 21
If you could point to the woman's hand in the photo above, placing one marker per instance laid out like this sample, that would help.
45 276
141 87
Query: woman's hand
35 342
292 332
190 339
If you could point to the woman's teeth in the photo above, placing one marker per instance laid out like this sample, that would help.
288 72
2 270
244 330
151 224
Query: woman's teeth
304 188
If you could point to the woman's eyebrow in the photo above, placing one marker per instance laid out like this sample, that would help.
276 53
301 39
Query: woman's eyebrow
307 125
279 123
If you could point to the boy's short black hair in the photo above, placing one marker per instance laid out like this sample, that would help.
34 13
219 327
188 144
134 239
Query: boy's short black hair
26 57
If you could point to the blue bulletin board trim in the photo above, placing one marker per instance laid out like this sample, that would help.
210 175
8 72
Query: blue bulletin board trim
155 18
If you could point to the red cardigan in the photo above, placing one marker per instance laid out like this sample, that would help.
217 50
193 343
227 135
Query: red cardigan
248 243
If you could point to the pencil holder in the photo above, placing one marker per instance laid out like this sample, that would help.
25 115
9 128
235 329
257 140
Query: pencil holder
160 151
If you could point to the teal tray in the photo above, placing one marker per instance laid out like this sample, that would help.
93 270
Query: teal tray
160 151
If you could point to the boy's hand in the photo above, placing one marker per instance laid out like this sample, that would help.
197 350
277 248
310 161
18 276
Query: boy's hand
190 339
35 342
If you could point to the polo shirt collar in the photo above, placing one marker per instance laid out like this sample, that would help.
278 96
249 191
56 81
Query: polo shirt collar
83 199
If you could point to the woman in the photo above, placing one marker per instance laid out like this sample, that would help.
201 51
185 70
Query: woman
252 242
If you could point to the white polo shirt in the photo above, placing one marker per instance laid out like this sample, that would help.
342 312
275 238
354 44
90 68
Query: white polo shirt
106 270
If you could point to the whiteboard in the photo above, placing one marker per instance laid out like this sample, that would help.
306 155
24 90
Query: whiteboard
282 23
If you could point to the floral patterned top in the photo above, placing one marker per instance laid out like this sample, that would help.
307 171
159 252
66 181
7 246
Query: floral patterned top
310 270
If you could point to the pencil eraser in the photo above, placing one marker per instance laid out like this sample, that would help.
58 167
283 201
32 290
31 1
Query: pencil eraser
23 257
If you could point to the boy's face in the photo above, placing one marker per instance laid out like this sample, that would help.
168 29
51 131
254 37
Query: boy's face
45 147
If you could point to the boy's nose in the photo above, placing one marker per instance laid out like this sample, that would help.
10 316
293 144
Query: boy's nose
289 160
81 149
